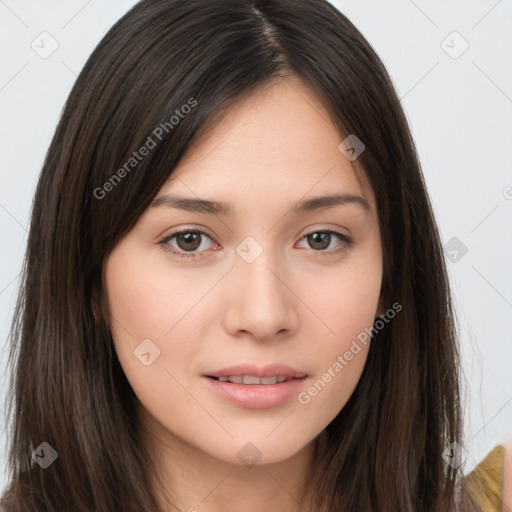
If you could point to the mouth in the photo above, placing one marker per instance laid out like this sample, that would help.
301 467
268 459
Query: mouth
254 387
252 375
252 380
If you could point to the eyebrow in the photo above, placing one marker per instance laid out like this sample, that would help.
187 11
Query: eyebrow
227 210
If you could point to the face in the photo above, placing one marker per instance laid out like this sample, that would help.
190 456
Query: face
271 286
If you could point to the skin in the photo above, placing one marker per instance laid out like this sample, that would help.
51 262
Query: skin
292 305
507 477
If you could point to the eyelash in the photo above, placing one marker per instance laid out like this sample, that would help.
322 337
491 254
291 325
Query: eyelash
346 243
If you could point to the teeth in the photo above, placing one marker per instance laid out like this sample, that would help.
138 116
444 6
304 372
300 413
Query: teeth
251 380
247 379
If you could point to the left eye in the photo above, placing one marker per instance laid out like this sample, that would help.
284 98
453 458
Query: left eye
189 241
319 239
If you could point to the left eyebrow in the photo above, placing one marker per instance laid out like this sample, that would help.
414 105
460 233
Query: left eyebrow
227 210
330 201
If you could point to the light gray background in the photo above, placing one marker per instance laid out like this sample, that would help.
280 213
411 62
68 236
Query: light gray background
460 112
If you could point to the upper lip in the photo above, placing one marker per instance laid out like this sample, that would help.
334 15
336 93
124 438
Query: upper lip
270 370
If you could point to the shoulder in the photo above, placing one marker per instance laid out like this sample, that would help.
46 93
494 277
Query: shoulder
486 483
507 476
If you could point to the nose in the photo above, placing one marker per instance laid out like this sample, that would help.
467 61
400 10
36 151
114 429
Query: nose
261 300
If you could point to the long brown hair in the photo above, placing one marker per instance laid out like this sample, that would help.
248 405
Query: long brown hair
383 451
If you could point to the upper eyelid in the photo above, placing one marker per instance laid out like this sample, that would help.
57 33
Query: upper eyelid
188 230
205 232
342 237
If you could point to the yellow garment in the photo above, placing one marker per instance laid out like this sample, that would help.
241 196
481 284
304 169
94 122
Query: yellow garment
485 482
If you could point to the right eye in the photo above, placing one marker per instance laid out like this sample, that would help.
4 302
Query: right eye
187 241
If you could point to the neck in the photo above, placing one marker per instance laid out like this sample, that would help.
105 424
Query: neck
189 479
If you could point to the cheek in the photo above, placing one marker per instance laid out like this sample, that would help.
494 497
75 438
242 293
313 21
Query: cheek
344 299
328 392
144 300
345 302
145 312
339 362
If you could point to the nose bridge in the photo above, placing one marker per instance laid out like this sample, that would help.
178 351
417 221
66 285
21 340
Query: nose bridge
262 298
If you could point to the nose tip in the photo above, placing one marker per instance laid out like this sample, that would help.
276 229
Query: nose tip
262 304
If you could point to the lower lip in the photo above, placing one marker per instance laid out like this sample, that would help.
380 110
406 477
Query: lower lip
256 396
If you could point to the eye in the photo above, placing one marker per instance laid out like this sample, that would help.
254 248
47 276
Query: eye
187 240
321 240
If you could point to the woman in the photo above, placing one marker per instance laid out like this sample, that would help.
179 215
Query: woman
234 292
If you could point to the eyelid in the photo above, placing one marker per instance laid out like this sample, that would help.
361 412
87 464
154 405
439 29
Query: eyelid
346 241
187 230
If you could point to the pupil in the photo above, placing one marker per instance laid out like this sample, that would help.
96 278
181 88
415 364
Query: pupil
189 237
320 238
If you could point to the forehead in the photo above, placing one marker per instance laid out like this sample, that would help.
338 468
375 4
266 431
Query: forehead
276 142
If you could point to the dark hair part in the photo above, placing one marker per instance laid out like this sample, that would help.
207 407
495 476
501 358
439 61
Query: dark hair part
383 450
